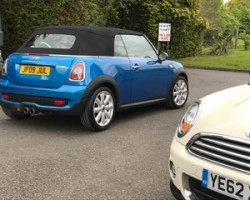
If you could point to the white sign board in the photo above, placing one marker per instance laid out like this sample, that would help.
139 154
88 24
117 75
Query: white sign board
164 32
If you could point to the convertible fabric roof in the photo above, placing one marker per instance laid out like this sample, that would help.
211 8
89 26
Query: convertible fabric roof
95 41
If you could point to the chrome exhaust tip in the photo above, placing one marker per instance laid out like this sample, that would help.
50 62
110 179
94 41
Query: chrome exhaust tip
26 110
32 111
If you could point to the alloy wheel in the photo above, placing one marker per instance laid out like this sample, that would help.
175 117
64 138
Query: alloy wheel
180 92
103 108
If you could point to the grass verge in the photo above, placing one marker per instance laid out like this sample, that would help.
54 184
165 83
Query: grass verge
236 60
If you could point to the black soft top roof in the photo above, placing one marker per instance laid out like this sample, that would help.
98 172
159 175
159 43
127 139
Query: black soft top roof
96 41
104 31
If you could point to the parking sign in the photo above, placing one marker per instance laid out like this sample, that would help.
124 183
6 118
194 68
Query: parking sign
164 32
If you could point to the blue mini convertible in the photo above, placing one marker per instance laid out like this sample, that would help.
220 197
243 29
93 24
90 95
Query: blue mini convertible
91 72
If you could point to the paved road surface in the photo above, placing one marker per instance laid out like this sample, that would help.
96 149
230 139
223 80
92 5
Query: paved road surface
48 157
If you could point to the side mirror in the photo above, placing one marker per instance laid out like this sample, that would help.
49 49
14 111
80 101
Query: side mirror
162 56
1 33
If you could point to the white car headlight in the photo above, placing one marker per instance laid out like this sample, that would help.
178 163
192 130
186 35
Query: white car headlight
189 119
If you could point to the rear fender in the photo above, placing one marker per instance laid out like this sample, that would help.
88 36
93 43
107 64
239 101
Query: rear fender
103 80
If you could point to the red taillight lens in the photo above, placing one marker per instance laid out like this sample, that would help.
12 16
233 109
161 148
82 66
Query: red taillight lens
77 72
4 69
59 103
6 96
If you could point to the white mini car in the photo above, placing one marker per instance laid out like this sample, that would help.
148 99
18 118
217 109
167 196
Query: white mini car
210 153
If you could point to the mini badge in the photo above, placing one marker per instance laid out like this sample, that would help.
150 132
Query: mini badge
35 58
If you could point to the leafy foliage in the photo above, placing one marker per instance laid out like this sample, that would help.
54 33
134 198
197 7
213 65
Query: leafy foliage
241 10
227 20
144 15
222 44
246 38
238 3
243 15
21 17
220 18
210 10
218 15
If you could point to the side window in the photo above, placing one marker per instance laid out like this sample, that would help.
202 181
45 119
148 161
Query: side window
119 50
138 46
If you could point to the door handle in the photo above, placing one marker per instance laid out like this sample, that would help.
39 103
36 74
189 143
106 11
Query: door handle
136 66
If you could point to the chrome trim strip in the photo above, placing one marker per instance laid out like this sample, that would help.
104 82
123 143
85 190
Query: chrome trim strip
77 56
226 144
142 102
199 143
61 55
218 136
221 157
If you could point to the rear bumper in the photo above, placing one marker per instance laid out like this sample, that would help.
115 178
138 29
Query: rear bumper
41 98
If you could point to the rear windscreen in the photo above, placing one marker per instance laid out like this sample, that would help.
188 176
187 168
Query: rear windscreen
54 41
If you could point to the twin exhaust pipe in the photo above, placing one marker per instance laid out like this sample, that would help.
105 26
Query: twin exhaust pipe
27 110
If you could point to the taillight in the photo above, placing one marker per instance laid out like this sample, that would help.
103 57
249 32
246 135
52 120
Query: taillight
59 103
77 72
6 96
4 69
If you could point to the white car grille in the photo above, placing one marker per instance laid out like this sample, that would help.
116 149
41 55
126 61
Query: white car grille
227 151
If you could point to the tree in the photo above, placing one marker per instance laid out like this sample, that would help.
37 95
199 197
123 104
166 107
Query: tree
243 15
238 3
241 10
227 20
218 15
222 26
210 10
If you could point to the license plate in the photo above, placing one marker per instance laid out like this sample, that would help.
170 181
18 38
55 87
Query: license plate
34 70
226 186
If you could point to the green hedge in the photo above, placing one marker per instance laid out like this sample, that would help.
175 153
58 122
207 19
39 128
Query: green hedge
21 17
144 15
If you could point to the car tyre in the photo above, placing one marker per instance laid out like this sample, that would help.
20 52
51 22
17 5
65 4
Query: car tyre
13 113
99 110
178 94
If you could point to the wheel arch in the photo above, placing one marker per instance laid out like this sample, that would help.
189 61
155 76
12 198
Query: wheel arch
180 72
102 81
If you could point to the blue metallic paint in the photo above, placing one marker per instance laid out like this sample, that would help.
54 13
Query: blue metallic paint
151 81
